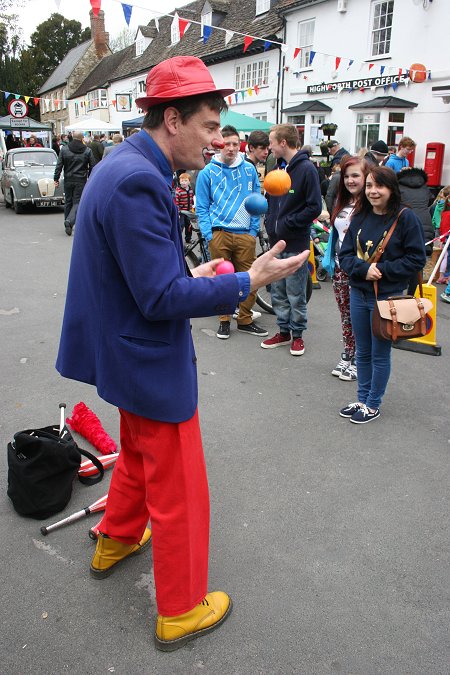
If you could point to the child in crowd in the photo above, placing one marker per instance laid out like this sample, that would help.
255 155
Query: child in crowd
184 199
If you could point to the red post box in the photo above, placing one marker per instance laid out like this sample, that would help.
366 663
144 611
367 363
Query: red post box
434 159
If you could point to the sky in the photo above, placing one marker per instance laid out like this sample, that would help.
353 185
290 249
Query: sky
35 12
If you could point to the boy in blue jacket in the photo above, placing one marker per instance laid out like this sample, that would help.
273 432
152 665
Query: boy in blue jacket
290 218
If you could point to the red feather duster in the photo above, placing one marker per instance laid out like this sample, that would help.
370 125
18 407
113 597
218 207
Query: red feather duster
86 423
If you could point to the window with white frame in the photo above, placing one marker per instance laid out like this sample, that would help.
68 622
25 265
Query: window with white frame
367 130
249 75
381 27
260 116
305 40
262 6
77 110
97 99
140 46
141 86
175 31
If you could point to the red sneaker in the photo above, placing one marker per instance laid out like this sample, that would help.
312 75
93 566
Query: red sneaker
278 340
297 347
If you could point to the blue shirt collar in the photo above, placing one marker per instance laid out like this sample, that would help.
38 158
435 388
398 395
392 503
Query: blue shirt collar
160 157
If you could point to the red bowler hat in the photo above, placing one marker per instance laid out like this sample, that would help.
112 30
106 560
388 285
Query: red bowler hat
175 78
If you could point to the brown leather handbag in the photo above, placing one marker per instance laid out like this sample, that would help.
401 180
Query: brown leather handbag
400 317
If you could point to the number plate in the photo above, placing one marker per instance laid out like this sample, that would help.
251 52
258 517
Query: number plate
45 203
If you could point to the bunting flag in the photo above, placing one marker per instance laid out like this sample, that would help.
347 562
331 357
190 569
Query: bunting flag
57 3
114 102
297 51
96 6
311 57
7 93
267 44
371 66
183 25
127 9
256 88
156 20
250 92
27 98
207 30
17 96
338 62
394 86
228 35
382 69
35 101
350 63
400 72
284 48
247 42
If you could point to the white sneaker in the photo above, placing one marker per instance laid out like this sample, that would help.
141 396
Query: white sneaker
343 364
255 314
349 374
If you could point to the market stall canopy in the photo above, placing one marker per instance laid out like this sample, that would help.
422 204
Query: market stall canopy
92 124
238 120
25 124
134 123
243 122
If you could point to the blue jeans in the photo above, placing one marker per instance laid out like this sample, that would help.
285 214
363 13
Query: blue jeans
289 300
373 356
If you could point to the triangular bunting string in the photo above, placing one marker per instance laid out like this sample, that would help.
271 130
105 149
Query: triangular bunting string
96 6
297 51
247 42
207 30
228 35
183 25
267 44
127 9
311 57
338 62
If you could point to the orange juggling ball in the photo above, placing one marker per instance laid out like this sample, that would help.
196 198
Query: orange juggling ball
277 183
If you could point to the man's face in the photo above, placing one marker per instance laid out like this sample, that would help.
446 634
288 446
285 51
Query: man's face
334 150
276 147
259 152
197 134
405 151
229 153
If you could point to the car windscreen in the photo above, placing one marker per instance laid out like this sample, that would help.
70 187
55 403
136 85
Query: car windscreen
34 159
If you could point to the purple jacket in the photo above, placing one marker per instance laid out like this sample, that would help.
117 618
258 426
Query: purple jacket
126 326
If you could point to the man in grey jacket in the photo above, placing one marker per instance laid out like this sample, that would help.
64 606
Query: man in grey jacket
77 162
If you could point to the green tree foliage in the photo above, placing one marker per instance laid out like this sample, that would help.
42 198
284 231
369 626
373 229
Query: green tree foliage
51 41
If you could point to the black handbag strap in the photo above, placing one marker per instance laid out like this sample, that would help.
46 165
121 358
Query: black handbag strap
91 480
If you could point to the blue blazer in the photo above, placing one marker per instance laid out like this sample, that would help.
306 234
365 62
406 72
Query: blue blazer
126 326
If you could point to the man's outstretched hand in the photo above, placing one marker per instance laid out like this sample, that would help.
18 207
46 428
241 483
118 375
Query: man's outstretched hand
268 268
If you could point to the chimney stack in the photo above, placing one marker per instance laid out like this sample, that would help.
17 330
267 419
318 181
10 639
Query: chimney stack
98 34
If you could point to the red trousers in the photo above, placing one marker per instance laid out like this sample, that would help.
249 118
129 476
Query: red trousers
160 475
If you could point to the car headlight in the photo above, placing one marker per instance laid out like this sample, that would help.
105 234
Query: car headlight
24 181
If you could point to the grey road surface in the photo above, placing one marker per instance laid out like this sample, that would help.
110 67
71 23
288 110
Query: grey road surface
332 539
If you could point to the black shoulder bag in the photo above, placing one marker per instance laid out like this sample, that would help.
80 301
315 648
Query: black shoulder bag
42 464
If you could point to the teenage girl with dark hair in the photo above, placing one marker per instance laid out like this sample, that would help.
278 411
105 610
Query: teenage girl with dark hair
403 257
351 186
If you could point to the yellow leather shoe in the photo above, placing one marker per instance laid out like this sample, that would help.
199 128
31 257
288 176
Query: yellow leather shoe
110 553
172 632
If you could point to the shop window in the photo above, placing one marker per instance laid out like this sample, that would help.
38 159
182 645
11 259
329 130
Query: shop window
382 27
367 130
299 122
315 134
